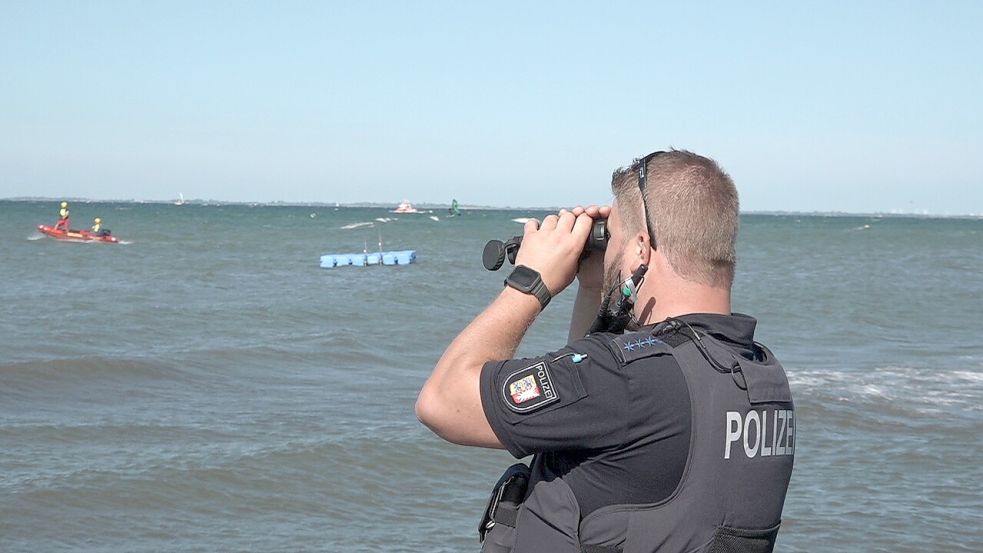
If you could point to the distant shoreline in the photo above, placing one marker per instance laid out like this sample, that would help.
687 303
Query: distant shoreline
465 207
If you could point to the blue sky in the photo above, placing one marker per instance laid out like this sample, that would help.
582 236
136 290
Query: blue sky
842 106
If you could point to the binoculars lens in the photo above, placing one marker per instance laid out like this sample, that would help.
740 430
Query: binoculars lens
494 255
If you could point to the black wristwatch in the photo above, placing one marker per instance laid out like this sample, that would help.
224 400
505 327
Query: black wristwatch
528 281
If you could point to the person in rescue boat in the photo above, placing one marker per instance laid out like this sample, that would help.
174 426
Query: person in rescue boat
63 218
677 435
98 229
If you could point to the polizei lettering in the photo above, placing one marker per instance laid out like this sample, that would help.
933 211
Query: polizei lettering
545 383
761 433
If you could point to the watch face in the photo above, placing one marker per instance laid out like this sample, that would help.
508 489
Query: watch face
523 277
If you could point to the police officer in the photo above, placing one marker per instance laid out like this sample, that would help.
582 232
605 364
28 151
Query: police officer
676 434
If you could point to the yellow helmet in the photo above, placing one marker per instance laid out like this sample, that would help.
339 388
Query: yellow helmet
64 204
98 220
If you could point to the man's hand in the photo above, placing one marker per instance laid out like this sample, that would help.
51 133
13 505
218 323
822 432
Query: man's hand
591 277
591 270
553 247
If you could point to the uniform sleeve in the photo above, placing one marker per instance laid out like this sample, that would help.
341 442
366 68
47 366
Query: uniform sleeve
575 398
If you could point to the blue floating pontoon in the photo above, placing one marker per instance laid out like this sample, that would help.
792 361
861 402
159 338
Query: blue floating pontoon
403 257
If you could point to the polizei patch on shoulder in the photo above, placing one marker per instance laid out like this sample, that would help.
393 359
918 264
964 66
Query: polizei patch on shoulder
529 389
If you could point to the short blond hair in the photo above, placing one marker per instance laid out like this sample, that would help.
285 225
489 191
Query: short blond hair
693 211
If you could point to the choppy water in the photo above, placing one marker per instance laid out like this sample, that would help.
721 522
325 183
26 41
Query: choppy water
206 387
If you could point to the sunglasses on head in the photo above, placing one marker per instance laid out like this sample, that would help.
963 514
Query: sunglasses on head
641 166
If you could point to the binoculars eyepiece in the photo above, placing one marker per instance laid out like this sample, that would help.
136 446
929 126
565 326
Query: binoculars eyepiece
493 257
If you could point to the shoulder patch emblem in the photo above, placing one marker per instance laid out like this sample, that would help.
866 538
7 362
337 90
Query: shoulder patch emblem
529 389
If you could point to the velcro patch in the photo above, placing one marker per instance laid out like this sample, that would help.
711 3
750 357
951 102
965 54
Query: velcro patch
638 345
529 389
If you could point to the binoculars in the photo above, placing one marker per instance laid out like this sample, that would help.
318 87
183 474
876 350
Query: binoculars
496 250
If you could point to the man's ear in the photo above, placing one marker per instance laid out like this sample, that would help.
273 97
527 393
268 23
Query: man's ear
643 248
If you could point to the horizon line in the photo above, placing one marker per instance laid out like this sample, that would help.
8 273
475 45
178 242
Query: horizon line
281 203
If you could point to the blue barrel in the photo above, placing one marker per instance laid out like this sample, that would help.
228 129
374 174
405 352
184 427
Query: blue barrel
405 257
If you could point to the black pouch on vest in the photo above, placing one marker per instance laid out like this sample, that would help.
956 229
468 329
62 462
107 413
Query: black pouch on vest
496 532
741 540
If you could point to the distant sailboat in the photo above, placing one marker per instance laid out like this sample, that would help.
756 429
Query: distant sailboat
180 200
453 210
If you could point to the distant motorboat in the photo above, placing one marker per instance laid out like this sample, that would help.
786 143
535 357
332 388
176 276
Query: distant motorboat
405 207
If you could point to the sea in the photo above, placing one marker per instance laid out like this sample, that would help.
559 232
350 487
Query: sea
205 386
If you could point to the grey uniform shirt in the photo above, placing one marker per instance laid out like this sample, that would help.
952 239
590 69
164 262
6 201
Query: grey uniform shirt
617 434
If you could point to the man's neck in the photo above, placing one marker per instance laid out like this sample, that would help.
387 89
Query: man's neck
681 298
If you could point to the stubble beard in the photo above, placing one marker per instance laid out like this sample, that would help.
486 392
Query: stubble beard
612 273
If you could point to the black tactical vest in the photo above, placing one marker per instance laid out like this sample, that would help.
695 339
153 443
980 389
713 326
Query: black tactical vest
732 491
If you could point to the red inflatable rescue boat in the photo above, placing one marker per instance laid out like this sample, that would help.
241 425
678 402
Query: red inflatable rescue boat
76 235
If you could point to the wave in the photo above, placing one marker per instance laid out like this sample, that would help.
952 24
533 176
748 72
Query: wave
298 485
891 376
28 375
358 225
896 395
